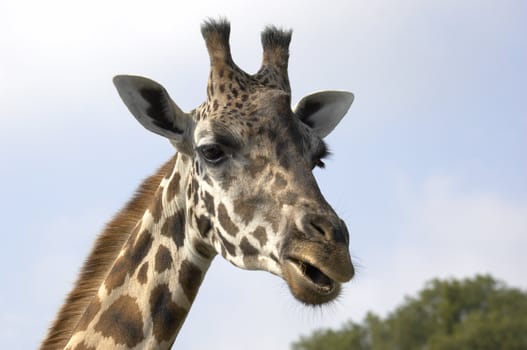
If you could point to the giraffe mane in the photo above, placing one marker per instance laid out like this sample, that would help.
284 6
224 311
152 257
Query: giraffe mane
103 254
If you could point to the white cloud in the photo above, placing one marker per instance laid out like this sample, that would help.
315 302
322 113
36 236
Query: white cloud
457 232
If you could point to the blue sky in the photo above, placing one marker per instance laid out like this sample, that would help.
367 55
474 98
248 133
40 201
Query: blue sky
428 167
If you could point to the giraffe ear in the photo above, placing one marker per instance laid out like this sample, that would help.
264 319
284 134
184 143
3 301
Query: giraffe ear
151 105
323 110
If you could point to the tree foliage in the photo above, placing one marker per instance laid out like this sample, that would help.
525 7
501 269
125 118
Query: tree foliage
474 314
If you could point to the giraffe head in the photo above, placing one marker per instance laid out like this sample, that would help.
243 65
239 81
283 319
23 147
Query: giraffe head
250 192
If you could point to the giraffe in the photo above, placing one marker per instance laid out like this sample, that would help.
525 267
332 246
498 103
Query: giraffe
240 185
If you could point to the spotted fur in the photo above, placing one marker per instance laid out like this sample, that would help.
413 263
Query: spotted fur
101 259
240 186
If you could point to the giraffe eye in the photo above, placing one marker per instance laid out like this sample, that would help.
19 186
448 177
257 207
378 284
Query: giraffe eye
212 153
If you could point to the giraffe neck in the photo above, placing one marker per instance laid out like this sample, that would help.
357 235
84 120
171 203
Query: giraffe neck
150 288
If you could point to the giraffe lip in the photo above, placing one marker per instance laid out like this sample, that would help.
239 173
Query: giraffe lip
308 283
322 281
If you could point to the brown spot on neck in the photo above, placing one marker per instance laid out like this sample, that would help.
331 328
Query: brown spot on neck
204 226
101 259
174 227
163 259
122 322
173 187
156 208
90 313
143 273
167 316
190 277
129 261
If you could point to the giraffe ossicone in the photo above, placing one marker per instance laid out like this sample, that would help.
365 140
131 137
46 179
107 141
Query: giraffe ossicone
240 185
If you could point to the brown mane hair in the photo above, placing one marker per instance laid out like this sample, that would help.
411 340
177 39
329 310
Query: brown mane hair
101 258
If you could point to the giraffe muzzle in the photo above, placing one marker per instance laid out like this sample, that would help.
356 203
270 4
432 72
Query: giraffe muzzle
314 265
308 284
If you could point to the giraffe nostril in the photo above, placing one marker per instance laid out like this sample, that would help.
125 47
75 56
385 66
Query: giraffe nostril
319 226
318 229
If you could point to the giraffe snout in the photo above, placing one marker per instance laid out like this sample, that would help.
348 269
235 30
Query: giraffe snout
316 260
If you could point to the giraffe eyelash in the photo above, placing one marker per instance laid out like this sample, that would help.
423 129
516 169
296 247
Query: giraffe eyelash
322 153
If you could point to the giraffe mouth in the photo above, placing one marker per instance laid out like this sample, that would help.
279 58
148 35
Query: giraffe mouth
314 275
308 283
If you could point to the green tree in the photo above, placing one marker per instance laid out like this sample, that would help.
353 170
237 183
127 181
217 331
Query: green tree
474 314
